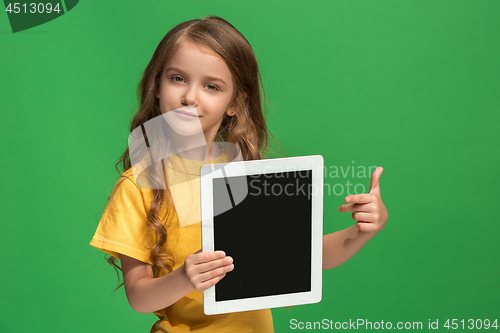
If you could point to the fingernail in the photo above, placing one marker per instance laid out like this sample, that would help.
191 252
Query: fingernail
230 260
222 254
347 199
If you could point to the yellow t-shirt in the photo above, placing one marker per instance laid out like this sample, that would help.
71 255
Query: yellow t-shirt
122 230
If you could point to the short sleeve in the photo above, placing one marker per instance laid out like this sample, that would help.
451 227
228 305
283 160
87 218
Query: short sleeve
122 228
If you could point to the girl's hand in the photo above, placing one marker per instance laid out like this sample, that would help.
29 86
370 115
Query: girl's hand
205 269
368 209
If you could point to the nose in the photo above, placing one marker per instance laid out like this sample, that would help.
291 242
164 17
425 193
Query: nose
190 96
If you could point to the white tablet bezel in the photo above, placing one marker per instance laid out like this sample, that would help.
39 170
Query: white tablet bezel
208 172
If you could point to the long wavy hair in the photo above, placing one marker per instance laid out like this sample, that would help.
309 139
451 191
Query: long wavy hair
247 128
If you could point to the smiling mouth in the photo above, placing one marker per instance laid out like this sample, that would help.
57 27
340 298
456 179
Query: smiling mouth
185 114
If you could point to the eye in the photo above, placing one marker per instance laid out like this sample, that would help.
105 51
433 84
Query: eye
177 78
212 87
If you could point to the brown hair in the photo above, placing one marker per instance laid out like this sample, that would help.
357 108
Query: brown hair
247 128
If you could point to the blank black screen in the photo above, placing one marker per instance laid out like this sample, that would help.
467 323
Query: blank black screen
268 235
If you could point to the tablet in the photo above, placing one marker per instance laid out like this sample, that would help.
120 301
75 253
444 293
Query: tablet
268 216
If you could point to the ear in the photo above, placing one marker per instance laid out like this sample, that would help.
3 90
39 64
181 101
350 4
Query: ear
235 107
231 111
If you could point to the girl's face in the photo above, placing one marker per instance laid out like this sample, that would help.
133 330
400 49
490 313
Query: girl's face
196 75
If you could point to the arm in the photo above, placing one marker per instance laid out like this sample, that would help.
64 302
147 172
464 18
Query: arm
371 214
147 294
340 246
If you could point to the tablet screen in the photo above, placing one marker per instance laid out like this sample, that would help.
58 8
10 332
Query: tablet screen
268 216
268 235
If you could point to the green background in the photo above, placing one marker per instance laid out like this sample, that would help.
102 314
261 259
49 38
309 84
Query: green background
412 86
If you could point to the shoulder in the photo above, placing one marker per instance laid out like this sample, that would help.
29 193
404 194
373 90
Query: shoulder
127 183
123 225
129 192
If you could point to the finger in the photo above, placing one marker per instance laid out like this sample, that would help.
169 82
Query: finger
209 283
213 265
206 280
355 208
375 181
366 227
363 217
360 198
215 273
203 257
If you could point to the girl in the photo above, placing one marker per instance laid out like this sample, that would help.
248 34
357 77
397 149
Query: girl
208 64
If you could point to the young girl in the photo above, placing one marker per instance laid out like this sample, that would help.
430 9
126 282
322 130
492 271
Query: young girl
207 64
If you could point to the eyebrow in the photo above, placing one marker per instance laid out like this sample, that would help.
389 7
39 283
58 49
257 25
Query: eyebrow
210 78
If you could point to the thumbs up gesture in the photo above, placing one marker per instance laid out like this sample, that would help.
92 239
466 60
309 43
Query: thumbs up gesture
368 208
